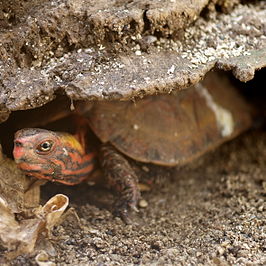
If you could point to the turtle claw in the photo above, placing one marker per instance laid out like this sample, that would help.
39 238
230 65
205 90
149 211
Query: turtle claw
122 210
134 208
123 215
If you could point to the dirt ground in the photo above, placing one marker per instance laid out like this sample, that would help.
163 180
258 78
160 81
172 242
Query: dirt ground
211 212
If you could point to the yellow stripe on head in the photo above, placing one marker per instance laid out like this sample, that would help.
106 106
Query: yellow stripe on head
71 141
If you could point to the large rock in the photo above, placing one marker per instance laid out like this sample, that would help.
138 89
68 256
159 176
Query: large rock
102 50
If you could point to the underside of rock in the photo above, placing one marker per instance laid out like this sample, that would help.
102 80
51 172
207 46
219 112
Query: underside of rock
106 50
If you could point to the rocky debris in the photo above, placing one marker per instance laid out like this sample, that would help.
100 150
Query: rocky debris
209 212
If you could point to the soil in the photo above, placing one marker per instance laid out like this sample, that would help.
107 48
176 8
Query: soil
209 212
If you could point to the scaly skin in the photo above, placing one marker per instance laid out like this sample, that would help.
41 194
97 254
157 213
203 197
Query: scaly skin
60 157
66 162
122 179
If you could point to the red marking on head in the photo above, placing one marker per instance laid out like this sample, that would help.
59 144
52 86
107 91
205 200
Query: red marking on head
18 151
90 156
87 170
32 167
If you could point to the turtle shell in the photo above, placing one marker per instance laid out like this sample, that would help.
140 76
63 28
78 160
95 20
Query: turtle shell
172 129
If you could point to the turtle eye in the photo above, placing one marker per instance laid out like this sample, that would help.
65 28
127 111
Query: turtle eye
44 147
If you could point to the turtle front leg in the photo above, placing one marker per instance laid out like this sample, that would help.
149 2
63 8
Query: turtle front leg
122 178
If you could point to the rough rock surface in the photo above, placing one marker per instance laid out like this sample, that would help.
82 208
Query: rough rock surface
123 49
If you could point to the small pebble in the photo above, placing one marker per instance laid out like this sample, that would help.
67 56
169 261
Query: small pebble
143 203
220 250
226 243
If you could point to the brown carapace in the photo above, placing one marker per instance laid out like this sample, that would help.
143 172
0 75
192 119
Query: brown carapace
164 129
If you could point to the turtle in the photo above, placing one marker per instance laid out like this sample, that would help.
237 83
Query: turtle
167 130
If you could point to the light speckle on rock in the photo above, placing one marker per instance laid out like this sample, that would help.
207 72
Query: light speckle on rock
136 127
171 70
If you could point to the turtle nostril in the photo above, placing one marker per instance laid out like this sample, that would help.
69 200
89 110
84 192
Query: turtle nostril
18 143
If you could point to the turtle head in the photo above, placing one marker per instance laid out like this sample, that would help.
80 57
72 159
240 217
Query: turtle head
33 150
51 155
